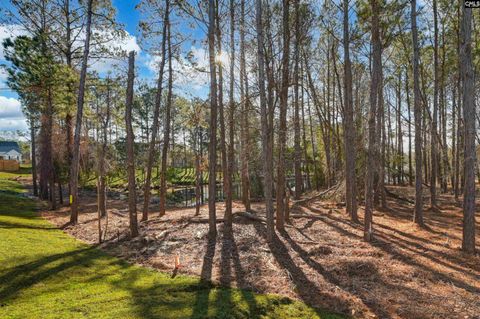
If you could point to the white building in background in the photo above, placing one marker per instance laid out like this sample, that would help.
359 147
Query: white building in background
10 151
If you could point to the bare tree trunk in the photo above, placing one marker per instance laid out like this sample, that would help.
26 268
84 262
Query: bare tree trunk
102 196
49 150
469 117
266 144
314 150
296 119
212 149
349 134
156 114
221 107
417 107
372 117
433 136
381 136
304 135
74 169
282 131
166 134
231 127
244 128
132 195
198 172
454 135
409 107
71 88
399 128
33 154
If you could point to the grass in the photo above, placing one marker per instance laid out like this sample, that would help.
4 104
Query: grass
45 273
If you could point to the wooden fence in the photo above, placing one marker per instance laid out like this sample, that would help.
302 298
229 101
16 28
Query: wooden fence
9 165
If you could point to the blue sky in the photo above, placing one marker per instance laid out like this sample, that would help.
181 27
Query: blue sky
188 80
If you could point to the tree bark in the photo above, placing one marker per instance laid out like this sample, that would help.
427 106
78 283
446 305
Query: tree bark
220 104
282 130
372 117
469 118
296 118
132 195
266 143
417 107
166 134
212 149
156 115
349 134
231 127
34 155
244 128
74 169
433 136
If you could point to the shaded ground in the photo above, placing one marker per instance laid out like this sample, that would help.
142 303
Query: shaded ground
44 273
321 259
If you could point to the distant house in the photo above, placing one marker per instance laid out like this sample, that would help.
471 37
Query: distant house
10 151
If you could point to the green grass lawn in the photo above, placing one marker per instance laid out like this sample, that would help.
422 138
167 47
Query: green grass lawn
45 273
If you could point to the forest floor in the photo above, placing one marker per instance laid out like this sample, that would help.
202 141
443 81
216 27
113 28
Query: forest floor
45 273
321 259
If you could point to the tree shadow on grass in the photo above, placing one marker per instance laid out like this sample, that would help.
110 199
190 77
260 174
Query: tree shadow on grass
10 225
229 258
200 308
18 278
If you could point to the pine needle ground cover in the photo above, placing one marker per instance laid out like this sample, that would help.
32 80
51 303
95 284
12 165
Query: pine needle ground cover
44 273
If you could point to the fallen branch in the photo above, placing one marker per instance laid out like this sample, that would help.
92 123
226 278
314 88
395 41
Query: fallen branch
308 199
391 194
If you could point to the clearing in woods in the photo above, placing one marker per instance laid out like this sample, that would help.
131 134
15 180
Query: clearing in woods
45 273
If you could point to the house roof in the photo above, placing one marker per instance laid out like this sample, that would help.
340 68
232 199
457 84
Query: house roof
6 146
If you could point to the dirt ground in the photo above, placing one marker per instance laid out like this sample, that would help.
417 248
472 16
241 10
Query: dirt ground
406 272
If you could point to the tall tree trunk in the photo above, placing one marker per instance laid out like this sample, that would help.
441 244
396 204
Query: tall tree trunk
221 107
382 138
244 128
50 168
399 128
212 148
156 115
102 189
409 108
266 143
314 150
372 117
304 134
74 169
132 195
296 118
71 88
166 134
349 134
282 130
417 107
469 118
198 172
33 154
433 136
230 153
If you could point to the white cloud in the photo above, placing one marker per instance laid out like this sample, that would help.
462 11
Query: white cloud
10 107
11 116
13 124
